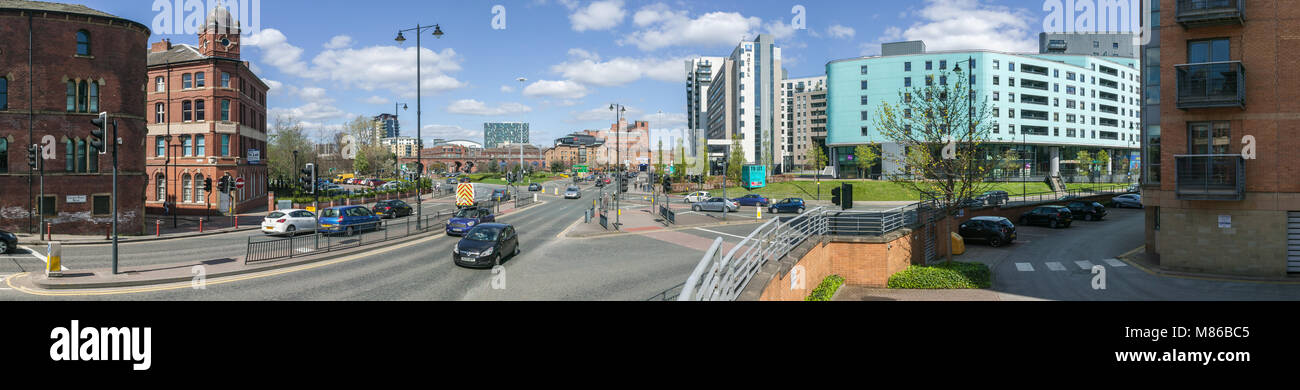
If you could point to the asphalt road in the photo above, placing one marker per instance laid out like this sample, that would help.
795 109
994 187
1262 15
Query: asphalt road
1056 264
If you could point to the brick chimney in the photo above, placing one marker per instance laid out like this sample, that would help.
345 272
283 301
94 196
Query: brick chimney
161 46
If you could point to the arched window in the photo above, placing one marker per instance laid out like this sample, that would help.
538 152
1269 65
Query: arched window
186 189
69 157
200 195
83 43
186 81
186 113
160 85
198 110
198 80
160 113
72 96
160 146
81 156
94 97
81 96
4 155
4 93
160 182
187 146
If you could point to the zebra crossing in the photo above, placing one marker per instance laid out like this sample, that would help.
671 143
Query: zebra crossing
1057 266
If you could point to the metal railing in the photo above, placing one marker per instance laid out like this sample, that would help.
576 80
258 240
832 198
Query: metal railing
1211 84
1210 177
1192 13
346 236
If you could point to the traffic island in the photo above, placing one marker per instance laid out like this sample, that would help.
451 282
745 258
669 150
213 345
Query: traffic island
640 219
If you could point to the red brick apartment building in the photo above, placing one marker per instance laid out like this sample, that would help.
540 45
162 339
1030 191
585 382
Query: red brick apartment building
1226 73
82 62
207 119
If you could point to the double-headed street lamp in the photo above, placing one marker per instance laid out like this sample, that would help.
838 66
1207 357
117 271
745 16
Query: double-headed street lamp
419 142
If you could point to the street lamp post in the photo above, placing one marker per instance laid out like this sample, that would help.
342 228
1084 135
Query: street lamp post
419 142
618 128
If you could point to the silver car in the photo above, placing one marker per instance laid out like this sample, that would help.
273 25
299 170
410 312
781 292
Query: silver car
715 204
1127 200
572 193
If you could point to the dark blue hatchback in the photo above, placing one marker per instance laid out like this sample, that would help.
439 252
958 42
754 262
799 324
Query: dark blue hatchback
787 205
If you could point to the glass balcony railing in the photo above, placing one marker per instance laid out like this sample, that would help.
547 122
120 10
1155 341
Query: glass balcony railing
1210 177
1198 13
1211 84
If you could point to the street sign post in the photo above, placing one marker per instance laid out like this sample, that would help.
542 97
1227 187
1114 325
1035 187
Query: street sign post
239 183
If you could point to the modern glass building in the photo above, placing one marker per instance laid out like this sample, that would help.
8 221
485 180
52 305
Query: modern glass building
1045 107
499 133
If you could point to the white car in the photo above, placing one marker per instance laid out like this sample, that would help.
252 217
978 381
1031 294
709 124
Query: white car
290 222
697 196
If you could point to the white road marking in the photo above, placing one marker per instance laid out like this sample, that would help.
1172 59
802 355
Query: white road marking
1024 267
718 232
42 257
1084 264
1115 262
1055 266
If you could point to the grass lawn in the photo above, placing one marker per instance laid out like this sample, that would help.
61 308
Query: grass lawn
873 190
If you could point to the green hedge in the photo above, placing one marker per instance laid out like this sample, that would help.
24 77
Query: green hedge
826 289
954 275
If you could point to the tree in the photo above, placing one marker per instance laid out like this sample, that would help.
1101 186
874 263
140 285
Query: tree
1103 161
1085 162
659 168
1009 161
361 164
287 137
942 128
865 156
736 162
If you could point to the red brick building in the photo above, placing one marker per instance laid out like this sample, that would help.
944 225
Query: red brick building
83 62
207 119
459 158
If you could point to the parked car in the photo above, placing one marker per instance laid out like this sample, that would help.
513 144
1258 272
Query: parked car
1087 211
500 195
348 219
1068 197
392 209
788 204
993 198
486 245
464 179
289 222
752 200
452 181
715 204
534 187
376 182
466 218
697 196
1050 216
572 193
969 202
1135 188
600 182
995 231
8 241
1127 200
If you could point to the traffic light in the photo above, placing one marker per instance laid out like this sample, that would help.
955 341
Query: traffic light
846 193
33 156
97 135
622 183
223 185
309 177
207 185
835 196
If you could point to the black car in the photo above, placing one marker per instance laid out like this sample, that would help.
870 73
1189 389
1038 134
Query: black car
392 209
8 242
1087 211
534 187
1050 216
993 198
996 231
486 245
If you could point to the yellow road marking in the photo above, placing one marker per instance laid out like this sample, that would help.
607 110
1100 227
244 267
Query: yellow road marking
1191 277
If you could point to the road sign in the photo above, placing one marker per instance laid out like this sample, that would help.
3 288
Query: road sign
239 183
580 168
465 194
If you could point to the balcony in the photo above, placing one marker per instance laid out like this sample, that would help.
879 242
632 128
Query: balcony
1201 13
1211 85
1210 177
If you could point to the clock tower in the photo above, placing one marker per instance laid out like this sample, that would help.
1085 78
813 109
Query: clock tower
220 35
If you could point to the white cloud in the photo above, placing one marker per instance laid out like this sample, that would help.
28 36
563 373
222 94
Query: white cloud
277 51
599 15
377 100
450 132
475 107
507 89
570 4
564 89
967 24
604 114
338 42
665 27
314 94
310 112
587 68
276 88
779 30
839 31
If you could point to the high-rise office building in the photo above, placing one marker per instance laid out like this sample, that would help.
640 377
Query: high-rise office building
496 134
386 126
743 101
699 74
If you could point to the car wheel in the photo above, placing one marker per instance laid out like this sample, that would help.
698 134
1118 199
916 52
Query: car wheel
771 210
291 230
695 208
801 210
4 247
351 231
995 242
1052 224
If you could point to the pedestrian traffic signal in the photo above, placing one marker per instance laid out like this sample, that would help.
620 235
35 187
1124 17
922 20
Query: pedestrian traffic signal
97 135
207 185
846 195
835 196
33 156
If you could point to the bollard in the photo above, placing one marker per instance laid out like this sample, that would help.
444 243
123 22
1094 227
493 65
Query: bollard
53 253
234 221
157 228
108 232
534 197
49 230
200 225
759 211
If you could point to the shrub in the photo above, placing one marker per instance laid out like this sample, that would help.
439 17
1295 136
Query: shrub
826 289
953 275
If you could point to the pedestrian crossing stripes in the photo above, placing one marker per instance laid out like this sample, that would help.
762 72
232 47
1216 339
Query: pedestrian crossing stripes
1115 263
1025 267
1055 266
1084 264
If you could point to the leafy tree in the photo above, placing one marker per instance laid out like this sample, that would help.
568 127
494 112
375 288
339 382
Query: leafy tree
1085 162
659 167
941 127
736 162
361 164
865 156
1103 161
287 136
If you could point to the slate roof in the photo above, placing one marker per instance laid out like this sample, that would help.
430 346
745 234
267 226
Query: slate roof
178 53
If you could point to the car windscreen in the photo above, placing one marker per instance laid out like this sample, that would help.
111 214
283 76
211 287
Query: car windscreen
572 189
467 213
329 213
274 215
483 234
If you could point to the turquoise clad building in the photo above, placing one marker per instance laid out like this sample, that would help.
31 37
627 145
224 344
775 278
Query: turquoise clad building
1046 107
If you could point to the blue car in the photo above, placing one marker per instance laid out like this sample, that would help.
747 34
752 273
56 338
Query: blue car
467 218
348 219
787 204
752 200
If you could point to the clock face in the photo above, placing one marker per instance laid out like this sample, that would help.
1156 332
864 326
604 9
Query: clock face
225 42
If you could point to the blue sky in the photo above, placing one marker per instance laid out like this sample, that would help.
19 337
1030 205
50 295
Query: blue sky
329 61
